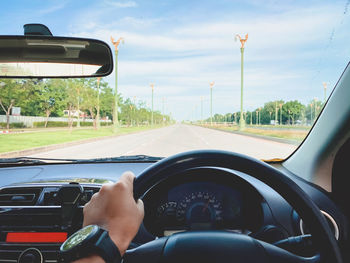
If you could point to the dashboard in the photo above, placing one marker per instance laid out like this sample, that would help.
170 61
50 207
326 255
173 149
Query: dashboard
206 198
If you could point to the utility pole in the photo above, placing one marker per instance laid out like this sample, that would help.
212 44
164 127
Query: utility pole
98 125
270 116
211 84
259 116
115 109
201 109
256 121
241 120
325 92
251 118
152 120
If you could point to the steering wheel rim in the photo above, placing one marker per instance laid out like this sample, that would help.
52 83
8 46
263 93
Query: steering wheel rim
277 180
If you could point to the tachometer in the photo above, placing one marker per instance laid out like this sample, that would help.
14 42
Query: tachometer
199 210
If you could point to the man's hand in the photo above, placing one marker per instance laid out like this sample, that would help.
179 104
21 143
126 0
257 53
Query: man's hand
114 209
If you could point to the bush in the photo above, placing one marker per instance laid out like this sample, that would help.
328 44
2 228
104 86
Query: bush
12 125
41 124
84 124
106 123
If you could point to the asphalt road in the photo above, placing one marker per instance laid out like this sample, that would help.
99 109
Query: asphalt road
171 140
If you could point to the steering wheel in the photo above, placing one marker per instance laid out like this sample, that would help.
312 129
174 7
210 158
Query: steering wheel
220 246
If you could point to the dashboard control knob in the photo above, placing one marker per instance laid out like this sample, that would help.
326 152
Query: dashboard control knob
31 255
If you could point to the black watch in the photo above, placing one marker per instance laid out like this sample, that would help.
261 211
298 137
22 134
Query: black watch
90 240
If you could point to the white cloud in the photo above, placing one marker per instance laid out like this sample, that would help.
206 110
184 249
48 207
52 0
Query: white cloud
125 4
51 9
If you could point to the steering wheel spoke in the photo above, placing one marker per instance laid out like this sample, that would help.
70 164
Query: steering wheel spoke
212 246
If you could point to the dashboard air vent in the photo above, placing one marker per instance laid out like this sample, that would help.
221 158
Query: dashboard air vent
19 196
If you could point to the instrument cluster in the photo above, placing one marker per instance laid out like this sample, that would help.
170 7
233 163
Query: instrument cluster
201 204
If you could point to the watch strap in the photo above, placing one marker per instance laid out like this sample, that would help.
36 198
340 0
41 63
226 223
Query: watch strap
107 249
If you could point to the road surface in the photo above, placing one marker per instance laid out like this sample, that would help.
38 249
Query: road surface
171 140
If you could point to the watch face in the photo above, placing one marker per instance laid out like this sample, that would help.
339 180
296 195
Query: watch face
79 237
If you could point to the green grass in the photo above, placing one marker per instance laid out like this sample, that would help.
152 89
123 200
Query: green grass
289 134
27 140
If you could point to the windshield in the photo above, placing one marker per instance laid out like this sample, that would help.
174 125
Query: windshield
244 76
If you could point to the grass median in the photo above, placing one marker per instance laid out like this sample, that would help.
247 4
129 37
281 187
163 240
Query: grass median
26 140
291 134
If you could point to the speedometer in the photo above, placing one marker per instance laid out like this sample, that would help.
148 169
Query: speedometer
167 210
199 210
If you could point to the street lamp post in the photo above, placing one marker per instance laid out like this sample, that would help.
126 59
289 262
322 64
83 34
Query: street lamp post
163 101
134 113
98 125
311 119
130 115
201 109
78 120
241 120
115 109
325 92
289 117
211 84
152 120
281 113
195 113
315 106
276 113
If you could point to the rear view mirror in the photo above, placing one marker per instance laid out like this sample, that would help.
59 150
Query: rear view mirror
53 57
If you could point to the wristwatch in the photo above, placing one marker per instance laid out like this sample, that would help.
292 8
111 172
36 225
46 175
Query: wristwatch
89 240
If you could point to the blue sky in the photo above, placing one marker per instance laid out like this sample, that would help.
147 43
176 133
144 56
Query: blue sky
181 46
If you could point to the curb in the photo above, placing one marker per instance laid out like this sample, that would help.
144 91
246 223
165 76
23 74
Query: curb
51 147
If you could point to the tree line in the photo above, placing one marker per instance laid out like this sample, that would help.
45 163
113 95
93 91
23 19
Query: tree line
51 97
285 112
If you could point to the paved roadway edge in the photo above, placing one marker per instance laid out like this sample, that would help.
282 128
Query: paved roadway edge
52 147
275 139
